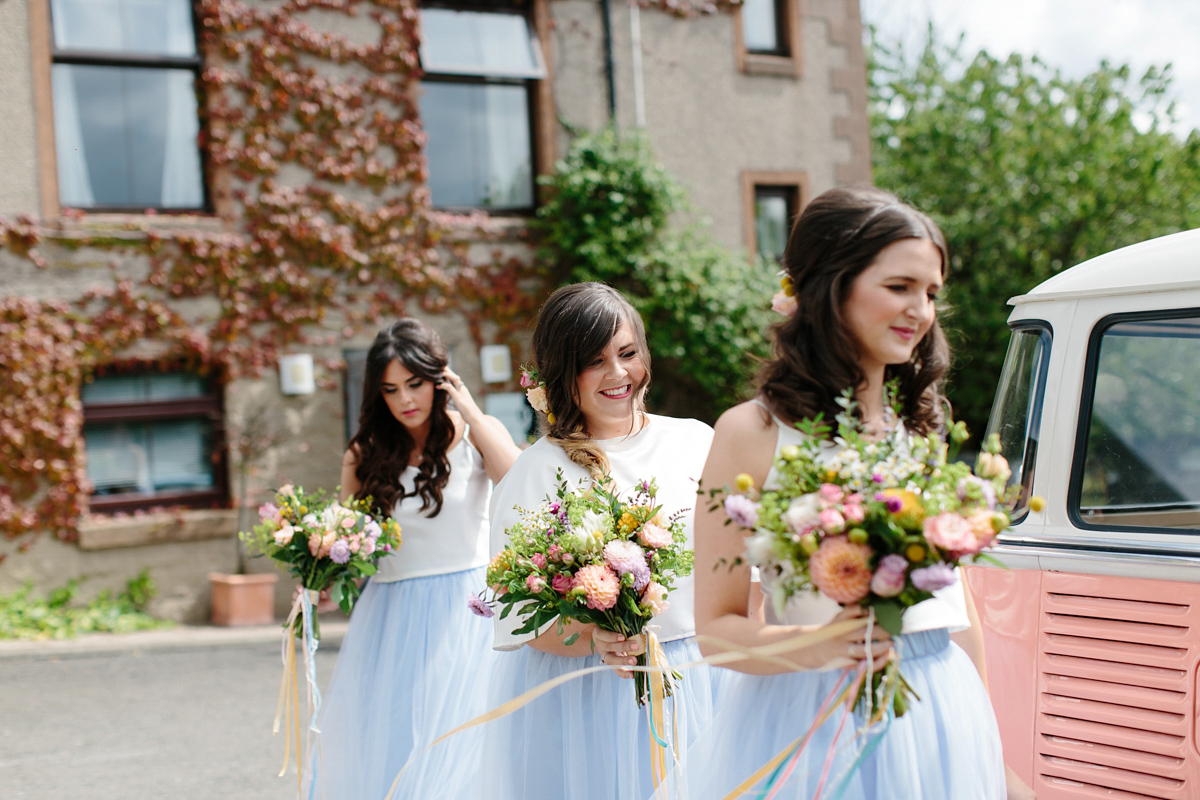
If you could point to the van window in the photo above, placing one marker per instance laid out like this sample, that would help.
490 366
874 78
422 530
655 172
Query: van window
1017 412
1141 463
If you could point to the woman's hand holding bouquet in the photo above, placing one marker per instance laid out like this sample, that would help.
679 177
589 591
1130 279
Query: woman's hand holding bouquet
586 554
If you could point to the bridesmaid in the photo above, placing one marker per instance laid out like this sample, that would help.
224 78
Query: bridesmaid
412 662
588 740
867 271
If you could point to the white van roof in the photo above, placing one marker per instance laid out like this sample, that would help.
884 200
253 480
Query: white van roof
1164 264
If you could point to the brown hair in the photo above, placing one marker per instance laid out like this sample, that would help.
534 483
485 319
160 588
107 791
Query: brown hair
384 446
815 357
574 326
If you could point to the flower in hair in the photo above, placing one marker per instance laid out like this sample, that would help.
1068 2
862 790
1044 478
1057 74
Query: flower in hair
535 391
784 300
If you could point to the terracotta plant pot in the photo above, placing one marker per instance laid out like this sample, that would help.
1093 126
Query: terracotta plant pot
243 599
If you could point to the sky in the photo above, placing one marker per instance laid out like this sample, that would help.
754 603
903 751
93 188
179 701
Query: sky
1073 35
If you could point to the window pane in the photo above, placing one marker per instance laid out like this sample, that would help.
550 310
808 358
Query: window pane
126 137
151 27
479 149
151 457
760 26
1016 415
477 43
1142 466
143 388
771 222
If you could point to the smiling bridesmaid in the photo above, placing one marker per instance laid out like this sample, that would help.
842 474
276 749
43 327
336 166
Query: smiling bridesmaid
587 739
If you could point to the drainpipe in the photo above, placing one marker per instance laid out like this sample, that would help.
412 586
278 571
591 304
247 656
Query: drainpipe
609 69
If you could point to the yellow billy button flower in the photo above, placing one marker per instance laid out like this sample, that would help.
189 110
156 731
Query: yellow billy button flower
743 482
789 452
1036 503
999 521
915 552
788 287
550 418
911 513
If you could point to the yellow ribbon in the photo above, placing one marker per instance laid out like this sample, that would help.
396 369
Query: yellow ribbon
731 653
287 709
656 662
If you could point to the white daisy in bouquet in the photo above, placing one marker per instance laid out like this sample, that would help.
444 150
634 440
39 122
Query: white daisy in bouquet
880 523
328 545
586 554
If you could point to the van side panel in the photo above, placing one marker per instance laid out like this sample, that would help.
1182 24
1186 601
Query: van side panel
1116 688
1009 613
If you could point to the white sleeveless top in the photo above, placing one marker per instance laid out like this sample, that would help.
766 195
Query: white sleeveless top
946 609
670 450
457 538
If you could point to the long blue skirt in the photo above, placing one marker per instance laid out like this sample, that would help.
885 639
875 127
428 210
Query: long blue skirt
414 664
587 739
946 747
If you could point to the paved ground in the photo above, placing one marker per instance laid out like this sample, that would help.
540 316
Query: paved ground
183 714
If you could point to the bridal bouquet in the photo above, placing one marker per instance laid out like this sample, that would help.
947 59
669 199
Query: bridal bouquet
326 544
586 554
881 523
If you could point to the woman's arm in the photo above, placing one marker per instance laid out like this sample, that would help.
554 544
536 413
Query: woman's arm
744 442
488 434
350 484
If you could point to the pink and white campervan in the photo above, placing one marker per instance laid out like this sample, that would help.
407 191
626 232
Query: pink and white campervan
1093 630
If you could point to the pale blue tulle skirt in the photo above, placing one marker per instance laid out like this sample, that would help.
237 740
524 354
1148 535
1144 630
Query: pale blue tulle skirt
587 739
947 747
414 664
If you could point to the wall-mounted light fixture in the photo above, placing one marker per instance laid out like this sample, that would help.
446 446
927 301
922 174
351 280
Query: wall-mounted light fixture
495 363
296 374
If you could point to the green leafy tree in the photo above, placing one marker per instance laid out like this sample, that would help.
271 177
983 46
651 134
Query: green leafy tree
608 218
1028 173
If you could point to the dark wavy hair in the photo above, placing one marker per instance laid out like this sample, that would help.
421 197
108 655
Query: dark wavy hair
815 357
574 326
384 446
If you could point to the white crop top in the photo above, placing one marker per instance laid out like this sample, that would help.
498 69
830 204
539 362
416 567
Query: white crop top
457 538
672 451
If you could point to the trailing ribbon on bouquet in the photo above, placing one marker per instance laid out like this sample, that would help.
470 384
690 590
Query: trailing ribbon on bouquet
657 665
299 625
731 653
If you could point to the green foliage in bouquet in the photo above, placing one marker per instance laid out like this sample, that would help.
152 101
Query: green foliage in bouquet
878 522
588 555
326 544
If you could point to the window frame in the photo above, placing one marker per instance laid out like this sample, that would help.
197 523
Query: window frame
752 181
787 60
537 91
1083 427
1036 411
42 16
210 406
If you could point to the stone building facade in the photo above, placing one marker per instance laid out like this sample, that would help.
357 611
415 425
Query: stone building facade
138 221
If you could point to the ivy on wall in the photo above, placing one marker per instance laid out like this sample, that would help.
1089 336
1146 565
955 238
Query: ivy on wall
314 150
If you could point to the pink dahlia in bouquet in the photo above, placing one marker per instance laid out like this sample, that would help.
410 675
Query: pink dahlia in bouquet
326 544
586 554
878 522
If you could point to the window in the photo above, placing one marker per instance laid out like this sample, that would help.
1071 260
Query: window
153 439
1017 412
125 110
1140 462
772 200
477 105
768 37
